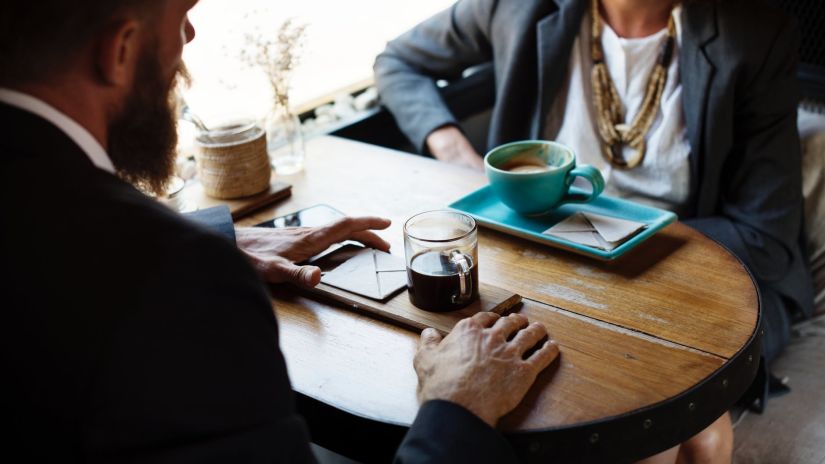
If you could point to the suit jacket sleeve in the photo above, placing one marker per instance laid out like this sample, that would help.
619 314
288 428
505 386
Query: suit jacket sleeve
439 48
218 219
760 208
444 432
194 373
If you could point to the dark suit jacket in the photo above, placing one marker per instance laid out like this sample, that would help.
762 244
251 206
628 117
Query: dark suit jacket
737 65
132 334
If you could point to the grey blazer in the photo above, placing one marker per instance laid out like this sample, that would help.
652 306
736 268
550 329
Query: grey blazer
737 64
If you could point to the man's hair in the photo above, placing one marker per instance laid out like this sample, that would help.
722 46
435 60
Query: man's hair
39 38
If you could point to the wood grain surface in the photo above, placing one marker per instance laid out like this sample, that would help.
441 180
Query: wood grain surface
633 333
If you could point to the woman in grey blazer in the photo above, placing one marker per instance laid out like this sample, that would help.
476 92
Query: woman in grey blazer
729 100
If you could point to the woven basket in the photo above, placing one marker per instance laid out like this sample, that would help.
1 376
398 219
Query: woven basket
233 162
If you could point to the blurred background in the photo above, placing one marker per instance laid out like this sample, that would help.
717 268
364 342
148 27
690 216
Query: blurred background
341 41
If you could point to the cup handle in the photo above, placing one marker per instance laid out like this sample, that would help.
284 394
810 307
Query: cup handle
465 278
593 176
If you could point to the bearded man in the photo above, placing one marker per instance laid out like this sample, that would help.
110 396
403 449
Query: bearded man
132 334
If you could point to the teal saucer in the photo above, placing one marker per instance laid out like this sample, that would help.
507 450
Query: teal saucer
485 207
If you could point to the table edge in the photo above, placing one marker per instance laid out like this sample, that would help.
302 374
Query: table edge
681 416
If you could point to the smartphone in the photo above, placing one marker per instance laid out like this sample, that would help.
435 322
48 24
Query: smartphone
314 216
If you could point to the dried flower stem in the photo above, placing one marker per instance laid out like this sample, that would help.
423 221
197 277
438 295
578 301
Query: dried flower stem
277 57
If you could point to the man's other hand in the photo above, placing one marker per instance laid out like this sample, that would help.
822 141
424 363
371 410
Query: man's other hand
275 252
481 364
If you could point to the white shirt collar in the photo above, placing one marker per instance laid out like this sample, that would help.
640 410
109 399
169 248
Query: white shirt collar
72 129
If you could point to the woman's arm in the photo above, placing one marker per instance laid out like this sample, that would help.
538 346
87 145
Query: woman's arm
439 48
759 212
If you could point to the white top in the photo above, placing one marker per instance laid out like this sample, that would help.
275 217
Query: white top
72 129
663 178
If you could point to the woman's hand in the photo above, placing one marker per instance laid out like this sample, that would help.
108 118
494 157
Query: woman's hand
449 144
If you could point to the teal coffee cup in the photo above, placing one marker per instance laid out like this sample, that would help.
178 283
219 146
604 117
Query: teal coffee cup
535 176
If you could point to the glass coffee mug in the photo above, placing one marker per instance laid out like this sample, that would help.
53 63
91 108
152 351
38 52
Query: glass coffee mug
441 249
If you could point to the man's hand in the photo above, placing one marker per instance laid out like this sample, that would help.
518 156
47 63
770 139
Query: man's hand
476 366
274 252
449 144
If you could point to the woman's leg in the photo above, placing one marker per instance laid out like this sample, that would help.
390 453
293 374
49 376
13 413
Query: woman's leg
714 445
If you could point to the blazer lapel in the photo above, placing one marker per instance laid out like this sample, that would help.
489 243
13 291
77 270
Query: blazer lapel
699 28
555 35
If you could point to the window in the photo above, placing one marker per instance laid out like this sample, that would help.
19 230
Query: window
341 42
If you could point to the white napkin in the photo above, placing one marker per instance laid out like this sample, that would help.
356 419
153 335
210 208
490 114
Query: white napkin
371 273
595 230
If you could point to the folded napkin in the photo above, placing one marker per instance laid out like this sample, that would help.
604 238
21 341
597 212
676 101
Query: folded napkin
371 273
595 230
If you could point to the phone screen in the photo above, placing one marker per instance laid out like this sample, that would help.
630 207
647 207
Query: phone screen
314 216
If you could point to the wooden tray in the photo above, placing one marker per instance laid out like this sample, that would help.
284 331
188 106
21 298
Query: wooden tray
193 194
400 310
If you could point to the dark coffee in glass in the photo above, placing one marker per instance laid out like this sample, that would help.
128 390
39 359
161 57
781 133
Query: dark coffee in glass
438 281
441 248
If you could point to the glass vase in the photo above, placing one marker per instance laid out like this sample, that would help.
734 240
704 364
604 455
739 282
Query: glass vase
285 141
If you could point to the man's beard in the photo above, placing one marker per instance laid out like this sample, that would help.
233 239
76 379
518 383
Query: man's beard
143 138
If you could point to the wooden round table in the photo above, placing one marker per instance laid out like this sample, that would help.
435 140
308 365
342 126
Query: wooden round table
654 346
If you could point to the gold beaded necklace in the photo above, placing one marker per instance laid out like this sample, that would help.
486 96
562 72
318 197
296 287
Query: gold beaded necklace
614 133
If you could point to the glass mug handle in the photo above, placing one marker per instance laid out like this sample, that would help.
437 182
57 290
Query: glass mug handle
465 278
592 175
